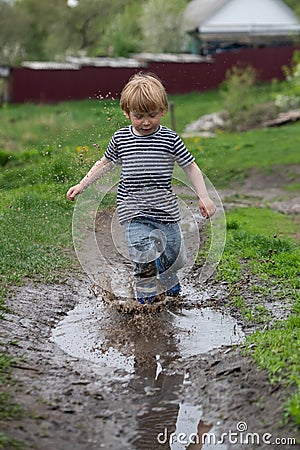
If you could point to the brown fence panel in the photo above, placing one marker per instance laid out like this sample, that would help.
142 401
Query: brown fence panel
48 85
52 85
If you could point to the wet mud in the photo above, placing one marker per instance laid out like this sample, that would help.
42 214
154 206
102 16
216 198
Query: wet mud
90 374
90 377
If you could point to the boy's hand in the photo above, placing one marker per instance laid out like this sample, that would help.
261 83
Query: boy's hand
73 191
207 207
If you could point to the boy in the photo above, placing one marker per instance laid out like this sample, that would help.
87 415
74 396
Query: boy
147 206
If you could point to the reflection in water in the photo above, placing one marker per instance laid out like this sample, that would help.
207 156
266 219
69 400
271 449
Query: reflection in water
165 421
142 349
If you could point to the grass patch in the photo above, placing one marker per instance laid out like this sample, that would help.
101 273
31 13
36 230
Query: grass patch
260 243
60 126
6 442
277 350
229 157
261 239
31 240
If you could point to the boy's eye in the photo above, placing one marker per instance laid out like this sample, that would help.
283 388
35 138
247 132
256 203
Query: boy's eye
140 116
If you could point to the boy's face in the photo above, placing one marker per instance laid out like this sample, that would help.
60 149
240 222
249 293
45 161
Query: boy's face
145 123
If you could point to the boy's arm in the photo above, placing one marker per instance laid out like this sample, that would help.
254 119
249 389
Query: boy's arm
206 205
99 169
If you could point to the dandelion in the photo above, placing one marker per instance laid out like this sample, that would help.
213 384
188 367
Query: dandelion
82 149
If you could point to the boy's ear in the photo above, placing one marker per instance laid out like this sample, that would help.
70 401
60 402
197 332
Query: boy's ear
126 114
163 112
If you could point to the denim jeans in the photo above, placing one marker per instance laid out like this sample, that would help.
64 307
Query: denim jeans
156 250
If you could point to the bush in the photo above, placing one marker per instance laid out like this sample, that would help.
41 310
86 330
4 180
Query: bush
240 94
290 97
236 90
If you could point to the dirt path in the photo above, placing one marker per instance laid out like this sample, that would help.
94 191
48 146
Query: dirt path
72 403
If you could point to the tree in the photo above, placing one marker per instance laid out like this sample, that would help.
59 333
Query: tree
294 5
84 26
37 30
13 28
40 17
161 24
123 36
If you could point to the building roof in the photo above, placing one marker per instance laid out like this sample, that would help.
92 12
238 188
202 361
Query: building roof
75 63
197 11
240 17
168 57
49 65
103 61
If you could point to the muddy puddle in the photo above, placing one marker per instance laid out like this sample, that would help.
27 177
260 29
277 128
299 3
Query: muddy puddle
146 353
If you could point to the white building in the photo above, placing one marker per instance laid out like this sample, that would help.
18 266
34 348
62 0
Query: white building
225 23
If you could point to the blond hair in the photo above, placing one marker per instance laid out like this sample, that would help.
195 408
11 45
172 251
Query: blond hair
144 92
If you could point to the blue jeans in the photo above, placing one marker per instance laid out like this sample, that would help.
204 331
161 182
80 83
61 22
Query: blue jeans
155 249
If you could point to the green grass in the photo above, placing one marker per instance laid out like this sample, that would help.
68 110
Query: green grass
44 149
261 242
278 350
261 239
31 241
229 157
67 124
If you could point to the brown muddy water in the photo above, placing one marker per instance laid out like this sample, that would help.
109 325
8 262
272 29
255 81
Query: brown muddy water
141 352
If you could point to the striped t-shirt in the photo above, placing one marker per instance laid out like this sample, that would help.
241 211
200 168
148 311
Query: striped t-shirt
145 188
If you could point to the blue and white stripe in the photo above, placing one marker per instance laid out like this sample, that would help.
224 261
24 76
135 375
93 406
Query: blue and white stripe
145 187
